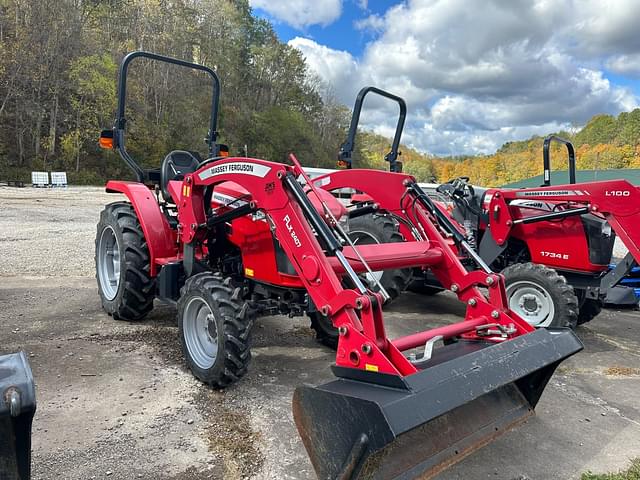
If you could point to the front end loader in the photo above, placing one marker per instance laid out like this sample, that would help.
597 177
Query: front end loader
235 237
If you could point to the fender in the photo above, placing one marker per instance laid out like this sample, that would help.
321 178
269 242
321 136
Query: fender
155 226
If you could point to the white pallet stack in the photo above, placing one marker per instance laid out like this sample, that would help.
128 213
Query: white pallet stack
40 179
59 179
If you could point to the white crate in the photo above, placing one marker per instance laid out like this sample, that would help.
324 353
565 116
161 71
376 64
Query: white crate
59 179
40 179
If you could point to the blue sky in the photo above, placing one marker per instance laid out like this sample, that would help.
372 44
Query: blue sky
341 33
475 74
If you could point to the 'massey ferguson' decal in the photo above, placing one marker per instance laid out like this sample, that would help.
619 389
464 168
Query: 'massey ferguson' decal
227 200
244 168
533 204
551 193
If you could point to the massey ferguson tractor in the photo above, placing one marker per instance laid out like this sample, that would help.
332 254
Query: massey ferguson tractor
231 238
554 249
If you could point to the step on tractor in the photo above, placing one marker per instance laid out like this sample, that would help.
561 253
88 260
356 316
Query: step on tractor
556 255
230 238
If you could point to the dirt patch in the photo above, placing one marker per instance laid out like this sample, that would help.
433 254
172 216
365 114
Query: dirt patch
617 371
229 433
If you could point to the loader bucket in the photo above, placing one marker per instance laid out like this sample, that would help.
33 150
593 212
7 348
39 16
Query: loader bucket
416 426
17 407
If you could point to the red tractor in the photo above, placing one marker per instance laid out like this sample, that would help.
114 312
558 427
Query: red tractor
232 238
555 256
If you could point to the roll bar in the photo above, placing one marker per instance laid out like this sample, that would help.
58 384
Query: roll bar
547 159
120 123
346 149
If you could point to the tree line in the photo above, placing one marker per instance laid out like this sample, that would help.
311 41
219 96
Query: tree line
58 68
605 142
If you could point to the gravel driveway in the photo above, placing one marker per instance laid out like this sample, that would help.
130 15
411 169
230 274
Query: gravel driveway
116 401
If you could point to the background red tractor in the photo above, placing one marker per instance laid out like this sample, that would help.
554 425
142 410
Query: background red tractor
555 258
278 246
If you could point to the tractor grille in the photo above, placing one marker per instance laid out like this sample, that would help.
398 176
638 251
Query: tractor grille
599 238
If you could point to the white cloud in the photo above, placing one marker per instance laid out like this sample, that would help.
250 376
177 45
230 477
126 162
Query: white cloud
336 67
476 74
374 23
301 13
625 65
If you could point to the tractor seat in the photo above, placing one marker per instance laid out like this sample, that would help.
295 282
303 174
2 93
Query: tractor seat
174 167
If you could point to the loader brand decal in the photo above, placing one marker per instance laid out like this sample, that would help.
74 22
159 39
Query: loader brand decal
227 200
617 193
559 256
551 193
533 204
244 168
292 232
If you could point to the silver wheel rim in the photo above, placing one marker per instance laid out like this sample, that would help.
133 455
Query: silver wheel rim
531 302
109 263
365 238
200 332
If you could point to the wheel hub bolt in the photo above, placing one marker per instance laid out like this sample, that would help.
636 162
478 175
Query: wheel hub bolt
473 302
495 314
342 331
366 348
454 287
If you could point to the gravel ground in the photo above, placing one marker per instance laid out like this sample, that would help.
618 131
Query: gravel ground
116 401
65 217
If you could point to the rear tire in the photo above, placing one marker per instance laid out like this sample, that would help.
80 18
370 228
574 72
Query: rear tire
326 333
122 258
375 229
589 310
540 296
215 329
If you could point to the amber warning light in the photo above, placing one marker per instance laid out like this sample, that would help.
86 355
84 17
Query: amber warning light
106 139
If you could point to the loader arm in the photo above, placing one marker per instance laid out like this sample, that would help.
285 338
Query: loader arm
617 201
398 409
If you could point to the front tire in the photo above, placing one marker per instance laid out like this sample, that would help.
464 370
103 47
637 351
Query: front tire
540 296
215 329
326 333
125 285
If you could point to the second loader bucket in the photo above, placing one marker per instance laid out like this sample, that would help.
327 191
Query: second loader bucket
403 428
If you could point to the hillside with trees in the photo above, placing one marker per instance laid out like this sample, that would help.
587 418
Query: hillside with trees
605 142
58 68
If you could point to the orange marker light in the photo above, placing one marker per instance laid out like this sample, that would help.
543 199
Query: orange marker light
106 142
106 139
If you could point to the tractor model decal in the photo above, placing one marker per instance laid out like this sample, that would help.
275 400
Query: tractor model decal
292 232
246 168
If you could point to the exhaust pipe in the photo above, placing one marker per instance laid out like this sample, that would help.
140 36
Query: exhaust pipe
371 426
17 407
